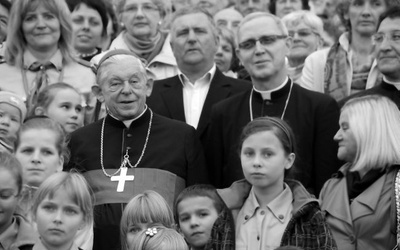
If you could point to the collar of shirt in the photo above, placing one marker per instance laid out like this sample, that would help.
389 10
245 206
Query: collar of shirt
204 80
39 246
56 59
396 84
278 206
8 237
266 95
129 122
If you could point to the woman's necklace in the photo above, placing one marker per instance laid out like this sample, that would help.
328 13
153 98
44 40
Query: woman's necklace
126 161
284 109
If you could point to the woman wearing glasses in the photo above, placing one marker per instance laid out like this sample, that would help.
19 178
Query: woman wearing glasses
348 66
306 30
143 35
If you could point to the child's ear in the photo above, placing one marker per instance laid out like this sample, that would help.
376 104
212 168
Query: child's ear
290 160
39 111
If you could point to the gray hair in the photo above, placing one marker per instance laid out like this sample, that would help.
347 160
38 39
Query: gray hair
256 15
309 19
194 10
163 6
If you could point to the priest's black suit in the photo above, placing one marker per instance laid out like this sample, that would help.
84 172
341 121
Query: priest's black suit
313 117
167 98
172 146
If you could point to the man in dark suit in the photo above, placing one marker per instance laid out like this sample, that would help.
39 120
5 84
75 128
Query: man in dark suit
199 84
313 116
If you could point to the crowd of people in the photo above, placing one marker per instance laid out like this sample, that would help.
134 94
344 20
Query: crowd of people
199 124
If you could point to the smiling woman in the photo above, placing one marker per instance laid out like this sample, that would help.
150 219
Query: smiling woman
89 23
40 55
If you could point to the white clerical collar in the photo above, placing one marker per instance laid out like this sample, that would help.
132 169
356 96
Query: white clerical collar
266 94
206 78
396 84
129 122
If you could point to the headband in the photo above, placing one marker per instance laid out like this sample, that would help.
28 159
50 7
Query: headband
283 128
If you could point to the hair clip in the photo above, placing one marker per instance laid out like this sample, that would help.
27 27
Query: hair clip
151 231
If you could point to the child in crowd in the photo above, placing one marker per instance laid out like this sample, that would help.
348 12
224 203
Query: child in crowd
143 210
270 209
12 114
15 230
41 148
62 206
204 219
158 237
62 103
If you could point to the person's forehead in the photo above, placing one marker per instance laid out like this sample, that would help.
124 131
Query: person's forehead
389 24
256 28
247 2
300 24
191 20
130 2
126 68
228 14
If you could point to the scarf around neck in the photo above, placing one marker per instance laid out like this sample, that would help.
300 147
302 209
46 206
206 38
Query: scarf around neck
146 49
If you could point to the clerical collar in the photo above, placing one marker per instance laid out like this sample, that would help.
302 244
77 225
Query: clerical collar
267 94
206 78
128 123
395 84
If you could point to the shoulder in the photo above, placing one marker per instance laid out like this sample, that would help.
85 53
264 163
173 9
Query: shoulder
85 132
318 56
159 84
233 102
313 96
171 124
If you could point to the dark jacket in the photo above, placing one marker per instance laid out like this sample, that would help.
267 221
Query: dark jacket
306 229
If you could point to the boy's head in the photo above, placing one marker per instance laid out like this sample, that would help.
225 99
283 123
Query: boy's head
196 209
12 114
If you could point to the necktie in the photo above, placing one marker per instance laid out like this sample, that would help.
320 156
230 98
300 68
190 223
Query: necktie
41 80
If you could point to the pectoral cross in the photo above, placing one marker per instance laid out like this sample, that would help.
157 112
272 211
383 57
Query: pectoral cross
122 178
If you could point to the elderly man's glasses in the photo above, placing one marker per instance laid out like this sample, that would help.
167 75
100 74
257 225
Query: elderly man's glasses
147 8
119 84
391 37
264 40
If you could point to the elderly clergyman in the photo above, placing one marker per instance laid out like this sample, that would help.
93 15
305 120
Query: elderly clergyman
132 148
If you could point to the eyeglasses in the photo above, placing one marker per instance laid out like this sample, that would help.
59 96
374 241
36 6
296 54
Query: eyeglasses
302 33
394 37
146 8
264 40
117 85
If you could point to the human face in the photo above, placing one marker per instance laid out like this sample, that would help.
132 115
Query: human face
212 6
41 29
305 41
345 137
8 198
284 7
3 22
141 18
224 55
263 62
388 52
10 121
196 216
38 155
364 15
249 6
133 230
193 41
264 160
228 18
124 90
88 29
66 109
58 219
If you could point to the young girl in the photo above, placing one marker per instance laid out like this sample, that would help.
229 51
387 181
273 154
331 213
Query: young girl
273 210
12 114
62 206
158 237
204 219
143 210
15 230
62 103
